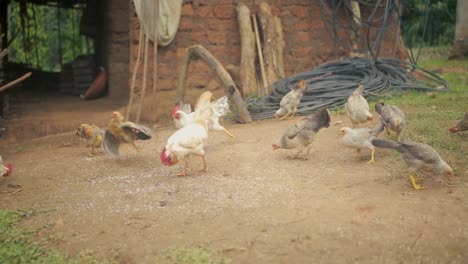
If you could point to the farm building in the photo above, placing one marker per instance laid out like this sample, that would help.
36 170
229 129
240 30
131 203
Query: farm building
309 30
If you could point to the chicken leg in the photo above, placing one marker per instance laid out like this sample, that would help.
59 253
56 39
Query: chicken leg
372 156
204 164
414 182
286 115
184 170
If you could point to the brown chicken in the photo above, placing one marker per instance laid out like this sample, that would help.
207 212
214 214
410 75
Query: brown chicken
357 107
289 103
302 134
391 118
123 132
92 135
462 125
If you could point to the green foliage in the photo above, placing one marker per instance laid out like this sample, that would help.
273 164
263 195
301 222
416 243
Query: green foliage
440 29
45 37
195 256
17 245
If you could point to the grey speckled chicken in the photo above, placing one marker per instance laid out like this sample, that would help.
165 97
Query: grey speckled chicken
462 125
417 156
391 118
358 138
357 107
302 134
289 102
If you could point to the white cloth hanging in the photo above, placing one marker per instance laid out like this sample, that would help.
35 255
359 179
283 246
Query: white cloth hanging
169 17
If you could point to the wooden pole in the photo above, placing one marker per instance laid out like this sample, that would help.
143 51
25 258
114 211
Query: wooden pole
155 45
230 89
135 71
13 83
260 54
247 63
145 66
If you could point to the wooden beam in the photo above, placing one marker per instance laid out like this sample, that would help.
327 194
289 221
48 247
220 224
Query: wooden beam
230 89
15 82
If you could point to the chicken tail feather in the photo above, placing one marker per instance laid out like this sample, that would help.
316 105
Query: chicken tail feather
110 144
381 143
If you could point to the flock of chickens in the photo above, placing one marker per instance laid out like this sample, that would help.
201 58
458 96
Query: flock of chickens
193 129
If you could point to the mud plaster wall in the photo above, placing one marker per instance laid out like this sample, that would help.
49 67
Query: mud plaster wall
213 24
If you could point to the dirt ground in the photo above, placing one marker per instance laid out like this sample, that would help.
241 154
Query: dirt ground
254 205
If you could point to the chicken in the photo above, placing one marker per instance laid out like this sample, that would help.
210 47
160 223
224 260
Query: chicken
92 135
190 139
123 132
215 110
358 138
289 103
5 171
462 125
417 156
391 118
357 107
182 115
302 134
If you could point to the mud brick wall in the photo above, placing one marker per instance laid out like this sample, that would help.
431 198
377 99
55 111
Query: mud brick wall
213 24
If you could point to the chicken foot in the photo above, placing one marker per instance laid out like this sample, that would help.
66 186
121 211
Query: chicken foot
415 182
304 156
229 133
204 164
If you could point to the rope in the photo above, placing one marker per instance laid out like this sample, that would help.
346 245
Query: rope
385 77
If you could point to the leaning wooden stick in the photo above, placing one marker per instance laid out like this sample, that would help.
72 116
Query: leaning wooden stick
260 54
230 89
15 82
145 68
155 45
135 71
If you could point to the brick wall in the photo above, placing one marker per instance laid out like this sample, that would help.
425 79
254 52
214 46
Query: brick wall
213 24
114 46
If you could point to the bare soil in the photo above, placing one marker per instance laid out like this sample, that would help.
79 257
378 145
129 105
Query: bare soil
255 205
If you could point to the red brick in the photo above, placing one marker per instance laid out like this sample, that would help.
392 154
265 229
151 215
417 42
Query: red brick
187 10
186 24
299 11
198 37
165 70
204 11
217 38
303 37
223 11
302 25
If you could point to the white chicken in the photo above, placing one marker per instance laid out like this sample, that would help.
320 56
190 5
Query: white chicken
190 139
216 110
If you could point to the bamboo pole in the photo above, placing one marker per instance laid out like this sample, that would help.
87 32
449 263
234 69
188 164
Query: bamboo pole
260 54
155 45
145 66
135 71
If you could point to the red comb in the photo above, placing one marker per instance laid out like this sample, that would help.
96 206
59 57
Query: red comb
175 109
10 170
